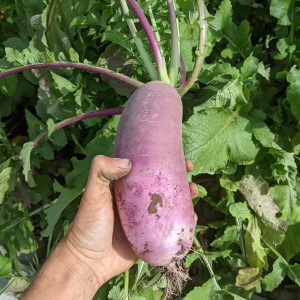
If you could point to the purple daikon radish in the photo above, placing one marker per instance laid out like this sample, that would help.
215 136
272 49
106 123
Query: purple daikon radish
154 200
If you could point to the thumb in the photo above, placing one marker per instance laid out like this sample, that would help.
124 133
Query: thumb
107 168
103 170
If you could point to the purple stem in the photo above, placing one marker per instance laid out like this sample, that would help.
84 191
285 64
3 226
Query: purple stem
148 31
89 68
183 71
99 113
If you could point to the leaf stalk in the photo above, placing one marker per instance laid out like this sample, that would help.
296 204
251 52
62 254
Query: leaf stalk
120 77
139 44
202 44
162 70
175 42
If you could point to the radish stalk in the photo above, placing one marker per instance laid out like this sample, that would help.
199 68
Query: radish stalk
162 70
157 35
138 275
126 285
183 71
100 113
76 142
123 78
175 50
139 44
200 58
31 214
206 263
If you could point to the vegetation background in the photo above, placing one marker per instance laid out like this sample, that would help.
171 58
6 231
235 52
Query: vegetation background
240 127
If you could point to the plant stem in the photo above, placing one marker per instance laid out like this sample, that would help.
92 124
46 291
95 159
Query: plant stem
157 35
99 113
138 275
183 71
76 142
139 44
126 285
278 255
200 58
241 236
162 70
175 50
34 212
206 262
123 78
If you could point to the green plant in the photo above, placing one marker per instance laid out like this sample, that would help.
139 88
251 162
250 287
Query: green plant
241 129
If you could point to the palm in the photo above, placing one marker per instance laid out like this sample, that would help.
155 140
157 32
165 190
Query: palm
101 236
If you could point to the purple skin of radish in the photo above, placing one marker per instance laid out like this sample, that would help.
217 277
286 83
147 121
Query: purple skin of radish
154 200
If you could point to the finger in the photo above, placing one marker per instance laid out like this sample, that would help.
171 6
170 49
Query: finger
194 190
189 165
104 170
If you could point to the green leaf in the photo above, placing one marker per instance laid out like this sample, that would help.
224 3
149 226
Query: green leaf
218 72
294 273
35 126
238 37
190 259
62 84
53 213
4 182
213 255
229 183
264 135
5 266
293 91
26 162
223 17
291 243
272 280
250 67
280 9
240 210
101 144
229 236
116 293
149 294
85 21
264 71
281 194
255 253
216 131
14 56
206 291
284 49
189 39
8 85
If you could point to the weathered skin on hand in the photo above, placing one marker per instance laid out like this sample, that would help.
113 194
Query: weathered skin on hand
154 200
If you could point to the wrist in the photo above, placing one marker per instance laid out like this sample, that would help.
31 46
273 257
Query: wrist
63 276
77 266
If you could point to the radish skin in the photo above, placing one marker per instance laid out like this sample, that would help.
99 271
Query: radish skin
154 200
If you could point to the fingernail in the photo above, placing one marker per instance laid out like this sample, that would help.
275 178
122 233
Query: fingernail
122 163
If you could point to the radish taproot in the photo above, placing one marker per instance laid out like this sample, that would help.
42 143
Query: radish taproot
154 200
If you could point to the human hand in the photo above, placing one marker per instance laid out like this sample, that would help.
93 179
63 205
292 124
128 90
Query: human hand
95 248
96 235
